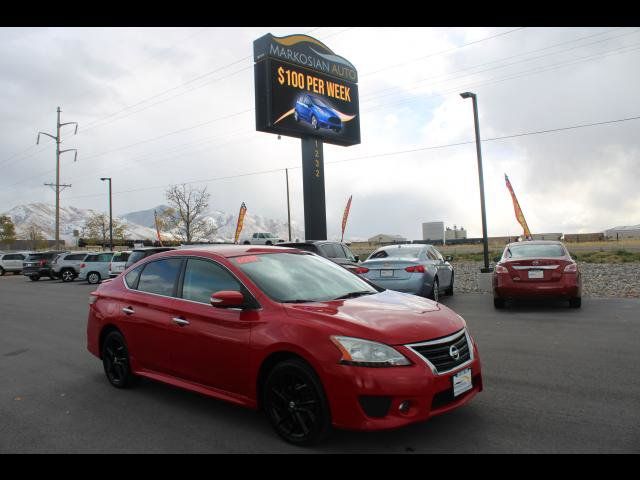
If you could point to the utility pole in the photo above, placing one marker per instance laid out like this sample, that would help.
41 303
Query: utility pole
288 204
57 187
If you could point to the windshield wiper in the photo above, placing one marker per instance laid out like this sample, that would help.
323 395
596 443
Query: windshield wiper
355 294
298 300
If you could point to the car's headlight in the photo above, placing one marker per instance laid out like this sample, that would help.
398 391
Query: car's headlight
364 353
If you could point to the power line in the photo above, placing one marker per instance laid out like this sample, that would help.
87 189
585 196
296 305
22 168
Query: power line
379 155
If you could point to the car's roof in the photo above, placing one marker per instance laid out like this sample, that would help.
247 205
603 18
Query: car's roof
144 249
229 251
311 242
537 242
405 245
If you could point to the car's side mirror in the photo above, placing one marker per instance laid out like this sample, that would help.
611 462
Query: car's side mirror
227 299
357 257
448 258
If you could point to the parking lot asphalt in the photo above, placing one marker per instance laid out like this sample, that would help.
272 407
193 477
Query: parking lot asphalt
555 380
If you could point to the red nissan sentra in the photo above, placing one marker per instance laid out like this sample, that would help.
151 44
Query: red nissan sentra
536 268
287 331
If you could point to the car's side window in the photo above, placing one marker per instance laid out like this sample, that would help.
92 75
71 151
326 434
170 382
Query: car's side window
105 257
348 253
431 255
131 278
202 278
160 277
437 254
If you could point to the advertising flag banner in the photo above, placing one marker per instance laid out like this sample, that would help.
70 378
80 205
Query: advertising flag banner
345 216
155 218
243 210
518 210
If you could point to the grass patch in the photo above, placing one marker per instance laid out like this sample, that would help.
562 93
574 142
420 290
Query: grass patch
617 256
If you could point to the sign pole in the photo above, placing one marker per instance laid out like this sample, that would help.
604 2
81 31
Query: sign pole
315 209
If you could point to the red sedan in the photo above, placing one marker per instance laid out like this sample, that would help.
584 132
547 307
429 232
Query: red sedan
286 331
534 269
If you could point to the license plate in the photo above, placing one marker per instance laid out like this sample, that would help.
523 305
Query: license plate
462 382
386 273
536 274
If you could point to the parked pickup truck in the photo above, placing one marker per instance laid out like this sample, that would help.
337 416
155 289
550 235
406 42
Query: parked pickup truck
262 239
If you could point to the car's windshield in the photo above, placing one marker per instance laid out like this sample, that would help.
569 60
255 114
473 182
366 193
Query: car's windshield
535 250
399 253
290 277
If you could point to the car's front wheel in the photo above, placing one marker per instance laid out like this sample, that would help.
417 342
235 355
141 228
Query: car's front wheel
295 403
34 278
314 122
575 302
435 291
93 278
296 117
115 359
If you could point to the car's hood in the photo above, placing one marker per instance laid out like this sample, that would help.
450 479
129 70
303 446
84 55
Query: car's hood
327 111
390 317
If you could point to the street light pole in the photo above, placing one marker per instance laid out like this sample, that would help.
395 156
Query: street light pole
288 204
110 215
485 239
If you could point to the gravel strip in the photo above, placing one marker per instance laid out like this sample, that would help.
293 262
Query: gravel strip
598 279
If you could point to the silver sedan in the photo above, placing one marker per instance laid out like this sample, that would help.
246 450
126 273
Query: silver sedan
410 268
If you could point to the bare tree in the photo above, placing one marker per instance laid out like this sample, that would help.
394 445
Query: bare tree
96 227
34 234
7 229
186 216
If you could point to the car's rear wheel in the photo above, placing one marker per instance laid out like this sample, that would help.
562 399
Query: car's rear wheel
449 290
295 403
2 272
575 302
498 302
34 278
93 278
115 359
67 275
247 242
435 291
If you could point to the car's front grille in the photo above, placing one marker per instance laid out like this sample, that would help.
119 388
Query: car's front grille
442 353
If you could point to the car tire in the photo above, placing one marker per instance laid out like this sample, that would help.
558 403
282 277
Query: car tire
296 117
93 278
34 278
115 360
575 302
498 302
435 290
2 272
67 275
314 122
268 242
449 291
246 242
295 403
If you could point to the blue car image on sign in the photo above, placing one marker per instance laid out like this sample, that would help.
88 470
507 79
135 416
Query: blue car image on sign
317 113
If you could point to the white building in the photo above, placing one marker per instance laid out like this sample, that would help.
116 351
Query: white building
454 234
386 238
433 231
632 231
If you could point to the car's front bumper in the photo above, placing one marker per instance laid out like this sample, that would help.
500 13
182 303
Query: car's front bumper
428 394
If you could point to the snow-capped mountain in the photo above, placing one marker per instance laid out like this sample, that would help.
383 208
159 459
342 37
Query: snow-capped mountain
139 224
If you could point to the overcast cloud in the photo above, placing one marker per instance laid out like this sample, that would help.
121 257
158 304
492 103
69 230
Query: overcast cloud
528 79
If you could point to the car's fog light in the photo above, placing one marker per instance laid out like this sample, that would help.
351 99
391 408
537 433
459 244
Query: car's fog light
404 406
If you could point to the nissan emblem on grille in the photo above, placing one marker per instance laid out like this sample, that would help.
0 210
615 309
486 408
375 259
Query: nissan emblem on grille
454 353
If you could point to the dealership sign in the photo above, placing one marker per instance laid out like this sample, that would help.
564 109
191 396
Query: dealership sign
303 89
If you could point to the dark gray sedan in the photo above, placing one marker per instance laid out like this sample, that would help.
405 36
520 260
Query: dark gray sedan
410 268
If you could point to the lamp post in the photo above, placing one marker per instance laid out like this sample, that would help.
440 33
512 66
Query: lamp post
485 239
110 215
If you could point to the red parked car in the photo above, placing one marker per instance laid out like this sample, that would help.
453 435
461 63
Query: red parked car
286 331
536 268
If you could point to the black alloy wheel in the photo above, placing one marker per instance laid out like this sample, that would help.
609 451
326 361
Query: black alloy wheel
295 403
67 275
115 359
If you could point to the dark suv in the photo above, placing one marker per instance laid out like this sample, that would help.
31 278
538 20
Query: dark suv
140 253
38 265
337 252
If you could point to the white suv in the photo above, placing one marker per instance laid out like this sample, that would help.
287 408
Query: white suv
11 262
263 239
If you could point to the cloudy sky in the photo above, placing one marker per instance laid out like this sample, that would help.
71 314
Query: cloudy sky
158 106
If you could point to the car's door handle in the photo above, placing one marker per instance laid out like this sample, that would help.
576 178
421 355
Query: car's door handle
180 321
128 310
